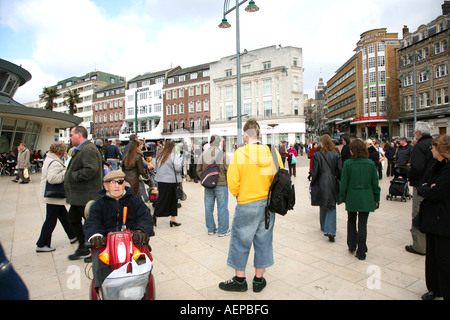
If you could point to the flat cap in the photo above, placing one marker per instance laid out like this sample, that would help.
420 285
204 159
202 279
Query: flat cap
116 174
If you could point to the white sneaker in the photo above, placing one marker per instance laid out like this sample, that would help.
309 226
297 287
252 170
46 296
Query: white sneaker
212 232
225 234
45 249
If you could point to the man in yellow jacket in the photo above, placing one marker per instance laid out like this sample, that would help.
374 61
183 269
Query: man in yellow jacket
249 177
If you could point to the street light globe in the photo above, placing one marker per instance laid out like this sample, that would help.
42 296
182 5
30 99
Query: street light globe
224 24
252 7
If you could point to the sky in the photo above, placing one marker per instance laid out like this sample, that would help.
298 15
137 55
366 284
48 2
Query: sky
58 39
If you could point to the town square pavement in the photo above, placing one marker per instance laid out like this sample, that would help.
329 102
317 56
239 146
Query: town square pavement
189 264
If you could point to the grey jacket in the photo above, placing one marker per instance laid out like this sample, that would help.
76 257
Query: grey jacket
23 159
166 172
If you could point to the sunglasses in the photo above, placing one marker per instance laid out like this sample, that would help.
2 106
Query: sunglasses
119 182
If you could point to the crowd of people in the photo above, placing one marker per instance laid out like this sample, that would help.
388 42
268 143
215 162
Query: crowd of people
349 175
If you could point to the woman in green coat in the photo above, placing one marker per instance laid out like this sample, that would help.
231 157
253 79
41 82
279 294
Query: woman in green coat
360 191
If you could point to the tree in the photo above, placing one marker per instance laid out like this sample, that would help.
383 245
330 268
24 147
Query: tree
71 99
51 93
392 114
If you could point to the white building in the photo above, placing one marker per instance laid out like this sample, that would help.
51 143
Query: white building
272 92
144 106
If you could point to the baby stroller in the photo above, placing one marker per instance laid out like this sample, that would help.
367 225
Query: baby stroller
399 184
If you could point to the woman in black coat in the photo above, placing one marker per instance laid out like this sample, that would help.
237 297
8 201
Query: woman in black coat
326 165
434 221
345 152
373 152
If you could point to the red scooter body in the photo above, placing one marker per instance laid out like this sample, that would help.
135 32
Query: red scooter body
120 250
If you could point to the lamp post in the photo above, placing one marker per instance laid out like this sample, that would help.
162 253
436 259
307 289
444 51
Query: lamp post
252 7
413 57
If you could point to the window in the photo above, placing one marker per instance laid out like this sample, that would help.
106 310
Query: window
206 105
423 76
267 87
372 77
408 81
441 71
267 108
181 93
228 73
168 108
372 92
191 91
175 94
199 106
296 84
181 78
198 90
181 108
175 109
194 75
371 62
191 107
371 48
381 61
247 94
267 65
168 95
229 93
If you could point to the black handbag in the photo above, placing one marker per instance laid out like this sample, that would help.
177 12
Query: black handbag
54 190
181 195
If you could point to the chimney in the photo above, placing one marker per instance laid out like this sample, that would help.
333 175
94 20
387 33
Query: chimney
406 29
446 8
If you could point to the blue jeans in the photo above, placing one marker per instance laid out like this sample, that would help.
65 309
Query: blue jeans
113 164
249 227
219 193
328 220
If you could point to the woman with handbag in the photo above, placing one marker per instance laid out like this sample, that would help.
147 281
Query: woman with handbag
360 191
133 166
52 178
292 160
325 173
168 175
434 220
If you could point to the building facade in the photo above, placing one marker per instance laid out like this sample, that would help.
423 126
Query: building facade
187 105
424 76
144 106
109 112
85 86
272 92
362 97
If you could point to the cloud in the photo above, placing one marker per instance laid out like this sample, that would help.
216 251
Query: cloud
72 37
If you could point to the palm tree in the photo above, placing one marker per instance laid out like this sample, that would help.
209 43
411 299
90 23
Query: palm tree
51 93
72 97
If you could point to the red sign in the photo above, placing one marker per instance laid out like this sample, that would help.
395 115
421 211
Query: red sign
374 118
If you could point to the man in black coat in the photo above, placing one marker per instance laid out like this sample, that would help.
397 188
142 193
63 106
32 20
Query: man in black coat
106 215
420 163
82 181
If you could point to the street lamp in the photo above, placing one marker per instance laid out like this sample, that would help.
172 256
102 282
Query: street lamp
414 57
252 7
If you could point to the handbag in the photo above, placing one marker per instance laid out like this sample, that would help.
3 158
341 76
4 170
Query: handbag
294 160
26 175
181 195
54 190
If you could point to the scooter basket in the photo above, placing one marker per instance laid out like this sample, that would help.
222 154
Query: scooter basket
123 285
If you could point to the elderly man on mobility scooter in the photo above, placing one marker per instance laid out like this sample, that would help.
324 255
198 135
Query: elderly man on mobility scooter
107 216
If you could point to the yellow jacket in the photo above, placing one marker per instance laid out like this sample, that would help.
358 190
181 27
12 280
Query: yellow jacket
251 172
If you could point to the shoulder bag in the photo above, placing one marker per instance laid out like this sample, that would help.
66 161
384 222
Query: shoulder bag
54 190
181 195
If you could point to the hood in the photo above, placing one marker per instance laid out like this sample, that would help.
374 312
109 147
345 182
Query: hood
255 154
